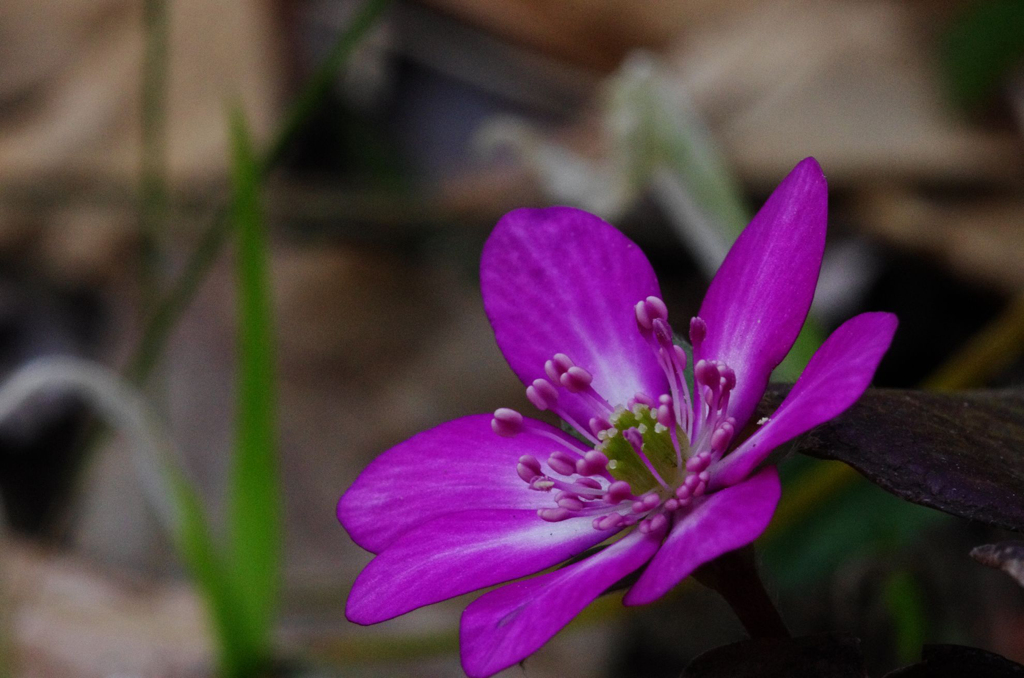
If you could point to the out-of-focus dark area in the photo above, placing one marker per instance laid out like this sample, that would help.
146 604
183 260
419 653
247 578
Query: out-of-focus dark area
448 114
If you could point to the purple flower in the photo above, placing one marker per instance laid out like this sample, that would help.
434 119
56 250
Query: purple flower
665 478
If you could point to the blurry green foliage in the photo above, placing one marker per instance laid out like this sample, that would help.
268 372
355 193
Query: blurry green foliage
855 521
905 602
170 306
240 586
980 48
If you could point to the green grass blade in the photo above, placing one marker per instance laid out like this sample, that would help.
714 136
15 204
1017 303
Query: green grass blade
255 501
195 545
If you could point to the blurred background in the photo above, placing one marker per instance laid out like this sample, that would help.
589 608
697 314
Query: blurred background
390 137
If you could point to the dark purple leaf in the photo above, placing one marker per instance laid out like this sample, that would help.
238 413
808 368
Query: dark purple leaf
818 656
1007 556
962 453
956 661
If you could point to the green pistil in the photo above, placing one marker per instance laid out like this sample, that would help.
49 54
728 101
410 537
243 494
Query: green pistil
624 464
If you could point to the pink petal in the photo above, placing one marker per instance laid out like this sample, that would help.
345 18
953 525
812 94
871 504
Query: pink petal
727 520
462 552
504 626
759 298
560 280
835 377
457 466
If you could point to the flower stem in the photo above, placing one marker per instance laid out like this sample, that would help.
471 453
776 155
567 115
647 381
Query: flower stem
734 576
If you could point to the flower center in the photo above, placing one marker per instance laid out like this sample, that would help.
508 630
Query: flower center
649 457
641 450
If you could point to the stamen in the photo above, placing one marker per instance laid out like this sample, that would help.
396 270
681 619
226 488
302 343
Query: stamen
562 463
506 422
530 462
562 362
640 398
662 332
721 438
617 492
598 403
557 366
599 424
542 430
716 381
677 382
525 472
541 484
542 394
652 429
699 490
593 463
682 397
643 319
649 310
562 371
574 500
646 503
576 379
706 372
653 524
681 358
698 462
579 490
729 375
652 321
553 515
570 503
698 330
723 399
666 417
608 522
